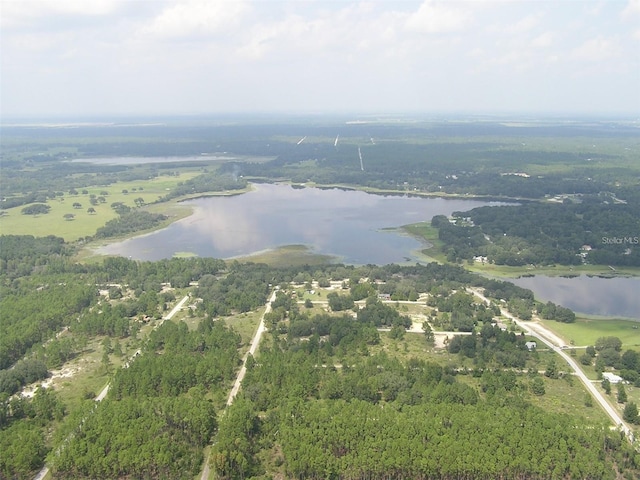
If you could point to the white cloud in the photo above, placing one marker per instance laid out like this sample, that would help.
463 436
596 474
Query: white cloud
335 34
25 14
524 25
544 40
224 55
632 8
433 17
597 49
196 18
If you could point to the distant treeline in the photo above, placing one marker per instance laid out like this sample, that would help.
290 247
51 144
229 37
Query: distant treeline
546 234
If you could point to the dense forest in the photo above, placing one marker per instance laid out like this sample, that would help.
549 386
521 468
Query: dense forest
375 417
592 230
157 419
167 405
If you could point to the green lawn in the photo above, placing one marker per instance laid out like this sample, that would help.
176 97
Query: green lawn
557 270
585 331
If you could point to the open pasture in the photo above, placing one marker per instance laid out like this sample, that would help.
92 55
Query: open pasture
585 331
83 223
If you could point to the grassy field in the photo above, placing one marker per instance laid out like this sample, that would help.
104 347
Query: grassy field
585 331
246 325
556 270
425 231
565 395
85 224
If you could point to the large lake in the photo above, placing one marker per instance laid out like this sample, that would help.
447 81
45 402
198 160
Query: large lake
347 224
353 226
618 296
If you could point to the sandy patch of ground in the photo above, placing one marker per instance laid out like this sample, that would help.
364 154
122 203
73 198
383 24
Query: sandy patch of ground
539 328
65 372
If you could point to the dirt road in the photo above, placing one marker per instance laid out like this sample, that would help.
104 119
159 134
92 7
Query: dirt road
45 470
255 342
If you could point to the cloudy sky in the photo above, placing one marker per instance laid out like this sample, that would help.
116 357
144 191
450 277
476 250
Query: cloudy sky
146 57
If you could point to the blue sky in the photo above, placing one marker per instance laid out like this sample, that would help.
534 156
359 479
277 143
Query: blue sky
156 57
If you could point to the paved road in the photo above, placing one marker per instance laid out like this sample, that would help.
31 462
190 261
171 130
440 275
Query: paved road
543 334
45 470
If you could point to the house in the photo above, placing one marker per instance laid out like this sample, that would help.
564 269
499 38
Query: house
531 345
384 296
612 377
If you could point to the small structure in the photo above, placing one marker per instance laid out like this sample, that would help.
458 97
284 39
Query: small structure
384 296
531 345
612 377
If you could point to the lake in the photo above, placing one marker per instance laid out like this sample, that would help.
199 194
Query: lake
346 224
353 226
618 296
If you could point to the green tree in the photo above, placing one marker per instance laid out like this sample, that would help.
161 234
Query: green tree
537 386
106 345
117 349
397 332
622 393
428 333
630 413
552 369
106 361
608 342
585 359
606 386
36 209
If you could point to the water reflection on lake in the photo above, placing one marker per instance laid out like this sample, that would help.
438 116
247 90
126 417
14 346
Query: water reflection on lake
346 224
617 297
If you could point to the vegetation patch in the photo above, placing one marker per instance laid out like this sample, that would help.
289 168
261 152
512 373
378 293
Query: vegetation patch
585 331
288 256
